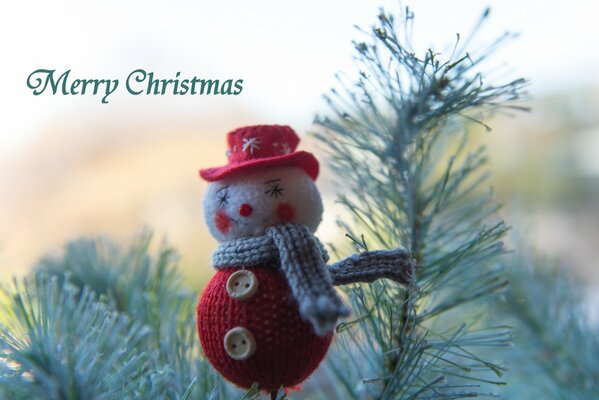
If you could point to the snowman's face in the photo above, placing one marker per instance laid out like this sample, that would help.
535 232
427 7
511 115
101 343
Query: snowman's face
245 204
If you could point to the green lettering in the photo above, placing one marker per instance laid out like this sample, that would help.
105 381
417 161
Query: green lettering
226 84
74 86
45 77
238 87
184 86
139 75
209 82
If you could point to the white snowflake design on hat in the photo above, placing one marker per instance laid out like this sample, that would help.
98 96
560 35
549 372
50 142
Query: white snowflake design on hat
285 148
250 144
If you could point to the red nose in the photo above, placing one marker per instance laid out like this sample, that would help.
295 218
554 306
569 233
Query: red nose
245 210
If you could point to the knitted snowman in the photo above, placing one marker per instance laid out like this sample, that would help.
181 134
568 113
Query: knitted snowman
268 314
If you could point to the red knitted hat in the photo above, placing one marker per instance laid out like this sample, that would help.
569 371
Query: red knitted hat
262 146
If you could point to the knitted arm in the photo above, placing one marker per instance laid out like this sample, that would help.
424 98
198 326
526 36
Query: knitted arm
372 265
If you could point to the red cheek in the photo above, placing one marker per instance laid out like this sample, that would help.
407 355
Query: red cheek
286 212
222 222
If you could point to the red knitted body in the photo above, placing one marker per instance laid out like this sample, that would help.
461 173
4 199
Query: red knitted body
288 350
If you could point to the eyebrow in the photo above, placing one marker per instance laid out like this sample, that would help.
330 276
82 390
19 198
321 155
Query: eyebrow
273 180
223 188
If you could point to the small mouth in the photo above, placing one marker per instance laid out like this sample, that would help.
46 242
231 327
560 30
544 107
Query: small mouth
268 221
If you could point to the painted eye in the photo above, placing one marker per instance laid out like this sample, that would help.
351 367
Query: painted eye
275 191
223 196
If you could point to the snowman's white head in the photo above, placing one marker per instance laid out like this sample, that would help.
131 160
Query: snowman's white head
246 203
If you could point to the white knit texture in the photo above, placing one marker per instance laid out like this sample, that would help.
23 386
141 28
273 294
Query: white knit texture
293 186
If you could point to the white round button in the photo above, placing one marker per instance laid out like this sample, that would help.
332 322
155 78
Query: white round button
240 343
242 284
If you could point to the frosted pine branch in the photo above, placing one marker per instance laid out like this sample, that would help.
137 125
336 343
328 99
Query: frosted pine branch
398 136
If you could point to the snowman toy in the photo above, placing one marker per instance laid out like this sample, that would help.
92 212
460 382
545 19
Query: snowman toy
268 314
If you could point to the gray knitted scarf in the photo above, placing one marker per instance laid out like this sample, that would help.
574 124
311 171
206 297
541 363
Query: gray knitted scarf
302 259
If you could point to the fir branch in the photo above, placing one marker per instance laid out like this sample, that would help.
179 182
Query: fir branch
60 343
145 291
150 291
398 135
555 341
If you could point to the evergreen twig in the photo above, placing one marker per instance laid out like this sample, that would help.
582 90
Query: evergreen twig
555 342
60 319
397 136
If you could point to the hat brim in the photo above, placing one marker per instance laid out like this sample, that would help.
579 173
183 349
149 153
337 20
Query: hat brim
301 159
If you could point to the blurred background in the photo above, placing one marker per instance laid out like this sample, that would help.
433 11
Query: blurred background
71 166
